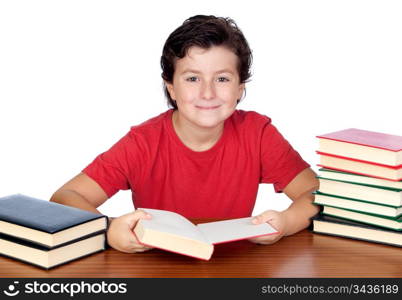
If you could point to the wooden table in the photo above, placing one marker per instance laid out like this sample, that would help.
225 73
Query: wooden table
302 255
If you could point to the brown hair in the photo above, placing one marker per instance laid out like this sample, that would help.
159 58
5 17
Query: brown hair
205 32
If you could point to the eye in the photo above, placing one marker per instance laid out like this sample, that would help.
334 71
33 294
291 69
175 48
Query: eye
192 79
223 79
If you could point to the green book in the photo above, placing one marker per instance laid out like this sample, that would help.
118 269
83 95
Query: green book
372 219
357 205
361 179
375 194
355 230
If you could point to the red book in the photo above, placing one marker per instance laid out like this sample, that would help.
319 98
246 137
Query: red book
359 167
362 145
366 138
173 232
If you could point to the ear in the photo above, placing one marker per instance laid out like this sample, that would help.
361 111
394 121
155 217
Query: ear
241 90
170 89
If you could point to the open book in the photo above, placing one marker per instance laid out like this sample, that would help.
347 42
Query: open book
173 232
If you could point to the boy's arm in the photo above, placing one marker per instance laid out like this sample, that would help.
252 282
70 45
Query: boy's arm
300 191
81 192
297 216
85 193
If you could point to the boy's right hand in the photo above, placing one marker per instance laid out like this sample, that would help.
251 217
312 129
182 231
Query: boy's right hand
120 234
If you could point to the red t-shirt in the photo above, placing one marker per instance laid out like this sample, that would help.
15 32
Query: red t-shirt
221 182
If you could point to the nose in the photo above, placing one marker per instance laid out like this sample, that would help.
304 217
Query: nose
207 90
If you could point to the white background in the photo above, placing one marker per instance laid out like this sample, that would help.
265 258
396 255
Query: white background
75 75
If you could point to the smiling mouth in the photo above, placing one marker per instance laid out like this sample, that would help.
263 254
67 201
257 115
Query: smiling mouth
208 107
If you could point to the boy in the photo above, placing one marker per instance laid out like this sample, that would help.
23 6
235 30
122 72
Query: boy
203 158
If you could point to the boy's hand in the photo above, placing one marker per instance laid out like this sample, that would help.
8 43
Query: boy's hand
274 218
120 234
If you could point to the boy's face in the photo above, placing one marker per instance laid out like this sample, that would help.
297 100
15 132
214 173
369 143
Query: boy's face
206 86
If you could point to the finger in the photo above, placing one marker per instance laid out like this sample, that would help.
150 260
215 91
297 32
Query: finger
141 249
137 244
265 240
264 217
257 220
136 215
134 249
142 214
133 246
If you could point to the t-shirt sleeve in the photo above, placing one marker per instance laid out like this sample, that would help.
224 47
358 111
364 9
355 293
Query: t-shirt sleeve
280 162
110 169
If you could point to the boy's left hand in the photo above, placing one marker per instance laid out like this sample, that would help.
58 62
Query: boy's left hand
274 218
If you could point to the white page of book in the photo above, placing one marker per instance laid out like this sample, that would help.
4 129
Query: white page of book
172 223
232 230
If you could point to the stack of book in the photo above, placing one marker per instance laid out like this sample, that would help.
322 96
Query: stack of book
48 234
360 186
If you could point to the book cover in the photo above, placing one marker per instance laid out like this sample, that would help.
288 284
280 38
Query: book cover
366 138
46 222
355 230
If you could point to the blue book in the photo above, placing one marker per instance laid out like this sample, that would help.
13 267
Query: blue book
47 234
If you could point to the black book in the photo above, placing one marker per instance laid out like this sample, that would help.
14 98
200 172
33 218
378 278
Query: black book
346 228
47 234
47 258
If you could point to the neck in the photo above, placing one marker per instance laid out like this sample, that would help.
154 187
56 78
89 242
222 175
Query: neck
194 137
